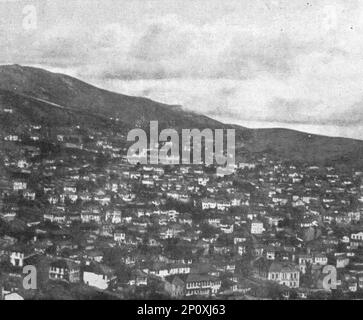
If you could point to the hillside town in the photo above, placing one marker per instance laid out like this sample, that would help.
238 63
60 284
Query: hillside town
95 226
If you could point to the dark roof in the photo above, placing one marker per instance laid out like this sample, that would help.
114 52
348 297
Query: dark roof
103 269
200 277
64 264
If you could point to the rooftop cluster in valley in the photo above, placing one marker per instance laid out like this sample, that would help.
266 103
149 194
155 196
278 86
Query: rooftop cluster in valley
91 222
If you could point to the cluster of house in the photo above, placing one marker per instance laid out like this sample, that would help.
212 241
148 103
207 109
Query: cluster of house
270 221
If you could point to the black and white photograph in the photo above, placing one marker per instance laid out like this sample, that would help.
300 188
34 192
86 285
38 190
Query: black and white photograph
196 152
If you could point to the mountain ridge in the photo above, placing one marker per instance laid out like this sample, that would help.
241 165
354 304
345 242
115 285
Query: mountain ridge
74 93
80 97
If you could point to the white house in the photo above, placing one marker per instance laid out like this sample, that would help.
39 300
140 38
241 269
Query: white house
357 236
257 227
208 204
100 277
17 257
19 185
119 237
13 297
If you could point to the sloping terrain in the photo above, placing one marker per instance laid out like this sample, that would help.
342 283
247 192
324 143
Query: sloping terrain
58 100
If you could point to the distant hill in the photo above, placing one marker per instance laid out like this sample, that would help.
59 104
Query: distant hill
298 146
57 98
75 94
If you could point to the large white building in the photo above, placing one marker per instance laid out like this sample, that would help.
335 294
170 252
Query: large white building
99 276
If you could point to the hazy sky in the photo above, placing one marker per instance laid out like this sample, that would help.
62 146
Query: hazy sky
287 63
